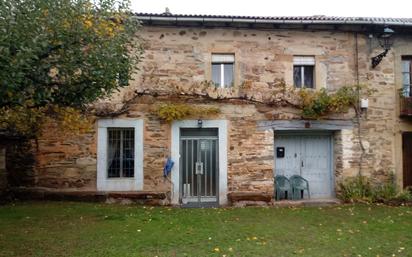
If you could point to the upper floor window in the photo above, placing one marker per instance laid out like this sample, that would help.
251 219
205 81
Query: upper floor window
303 71
223 70
407 75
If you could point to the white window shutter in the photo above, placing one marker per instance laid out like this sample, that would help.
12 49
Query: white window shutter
223 58
304 60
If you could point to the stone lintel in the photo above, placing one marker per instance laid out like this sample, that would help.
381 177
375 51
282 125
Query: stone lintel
305 125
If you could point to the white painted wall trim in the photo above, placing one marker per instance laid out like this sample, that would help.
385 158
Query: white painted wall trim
119 184
222 130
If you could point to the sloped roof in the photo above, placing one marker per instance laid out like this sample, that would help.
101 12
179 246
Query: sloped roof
316 19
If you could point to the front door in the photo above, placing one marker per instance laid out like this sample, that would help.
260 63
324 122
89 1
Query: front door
199 165
407 159
308 156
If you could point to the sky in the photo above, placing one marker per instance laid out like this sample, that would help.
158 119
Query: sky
369 8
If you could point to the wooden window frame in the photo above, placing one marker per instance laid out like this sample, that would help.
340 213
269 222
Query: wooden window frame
409 92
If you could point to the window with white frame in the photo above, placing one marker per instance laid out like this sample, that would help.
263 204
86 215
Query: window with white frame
120 155
223 70
303 71
407 75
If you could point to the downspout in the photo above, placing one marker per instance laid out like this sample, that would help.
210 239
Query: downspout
357 109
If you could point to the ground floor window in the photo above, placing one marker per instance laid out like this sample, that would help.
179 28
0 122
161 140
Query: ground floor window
120 155
120 152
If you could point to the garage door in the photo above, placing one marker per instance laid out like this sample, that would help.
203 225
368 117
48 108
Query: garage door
308 156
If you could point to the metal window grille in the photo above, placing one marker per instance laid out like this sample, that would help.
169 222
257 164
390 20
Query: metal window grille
120 152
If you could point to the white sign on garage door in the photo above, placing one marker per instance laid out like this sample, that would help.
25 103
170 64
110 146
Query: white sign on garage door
309 156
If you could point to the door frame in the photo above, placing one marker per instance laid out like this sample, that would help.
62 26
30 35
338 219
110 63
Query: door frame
221 125
328 133
404 170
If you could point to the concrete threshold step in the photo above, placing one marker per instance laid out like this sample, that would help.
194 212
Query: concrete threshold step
307 202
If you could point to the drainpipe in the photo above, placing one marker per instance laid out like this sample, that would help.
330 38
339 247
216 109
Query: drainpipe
357 109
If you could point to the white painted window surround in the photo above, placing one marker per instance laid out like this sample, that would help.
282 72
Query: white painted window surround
221 125
119 184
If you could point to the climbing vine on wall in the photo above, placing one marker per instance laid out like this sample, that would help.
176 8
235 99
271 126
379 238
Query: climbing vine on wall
318 104
170 111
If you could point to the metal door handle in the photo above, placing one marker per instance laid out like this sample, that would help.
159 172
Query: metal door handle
199 168
302 163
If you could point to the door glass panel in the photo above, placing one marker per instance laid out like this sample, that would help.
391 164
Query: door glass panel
214 176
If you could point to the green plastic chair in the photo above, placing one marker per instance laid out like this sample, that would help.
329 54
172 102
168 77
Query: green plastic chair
299 185
282 186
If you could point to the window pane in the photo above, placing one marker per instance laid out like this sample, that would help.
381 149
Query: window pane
228 72
406 90
406 78
297 76
113 155
128 153
120 152
406 66
308 70
216 73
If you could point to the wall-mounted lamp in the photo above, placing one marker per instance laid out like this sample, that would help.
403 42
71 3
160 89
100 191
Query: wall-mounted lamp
385 41
199 123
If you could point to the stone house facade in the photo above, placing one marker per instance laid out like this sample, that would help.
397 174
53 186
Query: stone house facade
237 151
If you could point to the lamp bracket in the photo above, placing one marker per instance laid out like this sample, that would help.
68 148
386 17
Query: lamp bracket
377 59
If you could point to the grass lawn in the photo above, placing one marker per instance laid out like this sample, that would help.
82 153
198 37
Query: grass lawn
88 229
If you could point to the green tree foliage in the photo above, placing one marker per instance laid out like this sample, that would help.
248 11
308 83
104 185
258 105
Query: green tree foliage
64 53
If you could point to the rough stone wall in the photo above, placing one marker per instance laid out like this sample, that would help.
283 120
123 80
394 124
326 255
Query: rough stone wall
402 48
377 124
179 58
